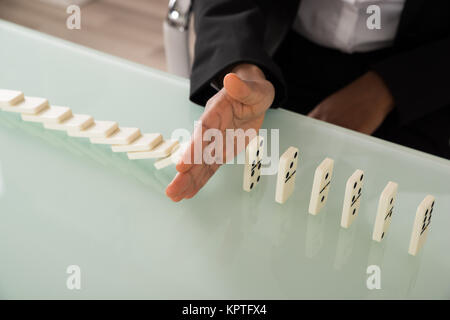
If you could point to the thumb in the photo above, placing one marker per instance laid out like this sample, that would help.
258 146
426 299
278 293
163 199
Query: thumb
247 91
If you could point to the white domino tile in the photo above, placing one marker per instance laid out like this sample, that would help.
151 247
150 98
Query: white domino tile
385 210
53 114
287 169
169 160
10 98
173 158
421 225
321 186
30 105
75 122
352 198
252 167
160 151
100 129
122 136
146 142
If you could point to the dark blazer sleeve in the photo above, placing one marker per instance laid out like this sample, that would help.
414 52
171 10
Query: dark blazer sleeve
419 79
229 32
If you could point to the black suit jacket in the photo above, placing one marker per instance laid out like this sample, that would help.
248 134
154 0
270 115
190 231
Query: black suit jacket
416 68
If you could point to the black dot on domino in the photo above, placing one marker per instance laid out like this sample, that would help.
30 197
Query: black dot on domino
257 180
382 235
326 176
257 153
354 186
295 155
359 191
360 179
253 173
392 199
259 165
354 211
323 198
251 186
287 175
353 198
292 164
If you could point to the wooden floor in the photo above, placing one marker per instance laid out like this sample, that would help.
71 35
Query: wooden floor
131 29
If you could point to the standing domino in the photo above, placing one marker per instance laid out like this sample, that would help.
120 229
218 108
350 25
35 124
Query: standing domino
252 169
421 225
385 209
352 198
321 186
10 98
287 168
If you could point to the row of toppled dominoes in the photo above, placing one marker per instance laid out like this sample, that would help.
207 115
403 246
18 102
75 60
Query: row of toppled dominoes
287 169
121 139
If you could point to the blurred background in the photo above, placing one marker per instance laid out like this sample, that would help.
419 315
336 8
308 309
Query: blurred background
131 29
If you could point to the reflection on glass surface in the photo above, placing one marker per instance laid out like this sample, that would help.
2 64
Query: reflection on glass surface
344 247
376 253
250 204
233 237
375 257
314 233
412 273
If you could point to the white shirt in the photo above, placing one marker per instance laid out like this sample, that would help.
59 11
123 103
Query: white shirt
342 24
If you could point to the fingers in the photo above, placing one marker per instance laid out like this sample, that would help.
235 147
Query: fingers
182 186
218 116
194 150
187 184
249 92
178 186
236 87
186 161
241 104
206 172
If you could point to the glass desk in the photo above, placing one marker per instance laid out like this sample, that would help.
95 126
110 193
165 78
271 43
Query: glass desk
66 202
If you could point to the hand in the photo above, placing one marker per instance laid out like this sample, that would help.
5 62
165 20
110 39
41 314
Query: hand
362 105
242 103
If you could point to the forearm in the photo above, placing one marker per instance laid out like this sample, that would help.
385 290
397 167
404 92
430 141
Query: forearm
229 33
